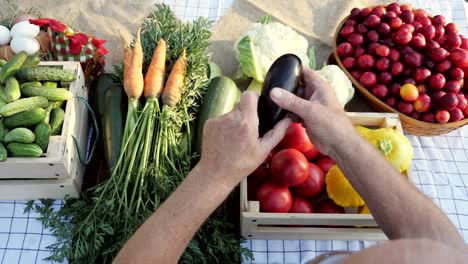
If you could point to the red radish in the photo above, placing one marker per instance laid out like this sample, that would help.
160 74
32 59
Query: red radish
454 40
432 45
462 102
382 51
289 167
355 12
382 64
421 74
391 101
394 7
442 116
314 183
464 44
366 62
380 90
405 7
439 20
437 81
452 86
346 31
405 108
397 68
402 37
356 39
459 57
439 54
418 41
325 164
429 64
407 16
274 198
422 88
428 31
368 79
344 50
419 13
379 11
456 115
385 77
413 59
422 104
394 55
389 15
372 21
395 89
395 23
444 66
301 205
359 51
465 112
361 29
417 26
439 31
409 80
372 47
425 21
365 12
349 62
457 74
452 27
372 36
428 117
436 96
356 75
406 49
384 29
350 22
327 206
408 27
449 101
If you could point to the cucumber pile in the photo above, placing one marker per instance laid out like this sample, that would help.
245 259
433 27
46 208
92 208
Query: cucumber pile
31 105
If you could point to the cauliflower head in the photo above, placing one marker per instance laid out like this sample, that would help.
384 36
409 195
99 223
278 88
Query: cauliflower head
340 83
262 44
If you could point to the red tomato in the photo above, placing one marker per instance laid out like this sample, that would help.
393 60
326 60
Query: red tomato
325 164
301 205
313 185
296 138
327 206
274 198
257 178
270 156
289 167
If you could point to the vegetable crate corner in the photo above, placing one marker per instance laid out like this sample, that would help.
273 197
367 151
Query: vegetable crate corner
58 172
347 226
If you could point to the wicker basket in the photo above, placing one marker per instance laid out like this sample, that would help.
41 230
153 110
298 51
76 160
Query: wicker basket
410 125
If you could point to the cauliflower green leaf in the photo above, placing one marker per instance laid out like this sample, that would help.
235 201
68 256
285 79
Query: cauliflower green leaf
248 59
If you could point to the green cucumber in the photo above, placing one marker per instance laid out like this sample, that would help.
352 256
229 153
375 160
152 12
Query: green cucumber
24 150
56 121
12 66
23 104
52 94
219 99
12 90
3 153
50 84
26 118
30 83
3 130
32 60
113 123
42 130
44 73
20 135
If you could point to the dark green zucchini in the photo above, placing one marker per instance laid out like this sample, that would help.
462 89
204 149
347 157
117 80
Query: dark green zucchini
113 122
98 88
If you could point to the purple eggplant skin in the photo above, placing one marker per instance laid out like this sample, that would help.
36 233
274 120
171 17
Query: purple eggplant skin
285 73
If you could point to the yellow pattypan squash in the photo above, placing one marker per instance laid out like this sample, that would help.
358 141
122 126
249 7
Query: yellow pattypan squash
340 190
392 143
363 210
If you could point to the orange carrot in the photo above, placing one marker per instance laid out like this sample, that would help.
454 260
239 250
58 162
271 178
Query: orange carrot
173 89
126 60
154 79
134 75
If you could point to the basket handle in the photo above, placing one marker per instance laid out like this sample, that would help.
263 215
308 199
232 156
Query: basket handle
83 161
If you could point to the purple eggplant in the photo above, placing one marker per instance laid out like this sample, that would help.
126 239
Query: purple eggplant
284 73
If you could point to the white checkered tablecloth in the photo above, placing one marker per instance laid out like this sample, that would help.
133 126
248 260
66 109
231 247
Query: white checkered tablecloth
440 170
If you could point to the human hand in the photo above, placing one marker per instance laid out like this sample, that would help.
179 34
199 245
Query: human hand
231 146
319 108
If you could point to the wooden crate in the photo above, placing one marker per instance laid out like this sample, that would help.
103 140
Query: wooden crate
59 173
349 226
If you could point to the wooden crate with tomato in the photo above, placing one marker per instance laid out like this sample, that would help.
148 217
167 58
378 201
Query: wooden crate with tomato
350 225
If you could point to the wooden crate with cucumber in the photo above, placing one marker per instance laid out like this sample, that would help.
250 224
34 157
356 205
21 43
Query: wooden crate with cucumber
40 117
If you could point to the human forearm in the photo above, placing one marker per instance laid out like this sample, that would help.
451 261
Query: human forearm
164 236
398 207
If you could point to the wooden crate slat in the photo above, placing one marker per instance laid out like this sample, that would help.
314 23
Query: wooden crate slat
34 189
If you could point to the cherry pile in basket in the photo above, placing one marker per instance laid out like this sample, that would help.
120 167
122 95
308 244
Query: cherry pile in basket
292 179
414 63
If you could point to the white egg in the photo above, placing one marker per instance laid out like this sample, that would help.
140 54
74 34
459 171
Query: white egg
24 29
4 35
29 45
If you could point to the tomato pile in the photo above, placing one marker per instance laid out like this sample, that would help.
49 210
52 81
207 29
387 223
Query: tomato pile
413 62
292 179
